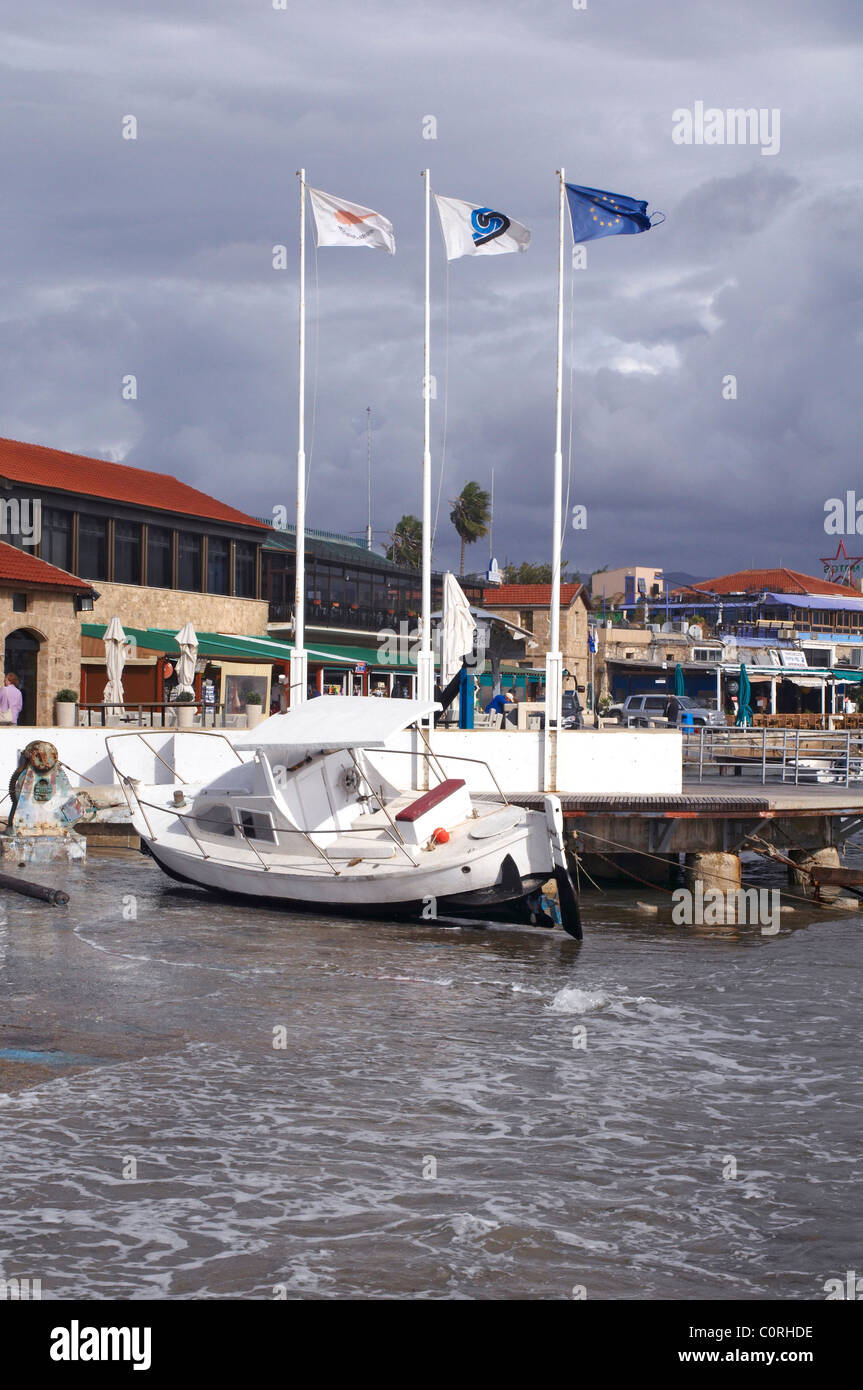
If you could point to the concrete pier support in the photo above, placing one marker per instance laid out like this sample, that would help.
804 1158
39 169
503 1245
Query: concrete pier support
826 858
719 872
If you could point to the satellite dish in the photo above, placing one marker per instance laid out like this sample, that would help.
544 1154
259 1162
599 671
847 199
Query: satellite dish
667 627
695 631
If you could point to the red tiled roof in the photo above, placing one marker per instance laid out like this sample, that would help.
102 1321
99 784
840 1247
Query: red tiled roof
19 567
527 595
777 581
38 466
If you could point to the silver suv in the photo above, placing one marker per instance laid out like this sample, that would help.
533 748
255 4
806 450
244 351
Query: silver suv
640 711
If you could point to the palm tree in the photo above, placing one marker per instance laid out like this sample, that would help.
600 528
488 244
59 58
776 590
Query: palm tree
407 543
470 516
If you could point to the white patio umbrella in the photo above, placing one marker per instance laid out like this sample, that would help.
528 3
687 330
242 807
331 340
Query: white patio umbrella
457 629
187 640
115 659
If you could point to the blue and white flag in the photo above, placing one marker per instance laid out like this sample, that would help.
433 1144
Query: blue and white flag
471 230
595 213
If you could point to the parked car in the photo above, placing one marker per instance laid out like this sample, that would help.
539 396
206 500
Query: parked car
640 711
571 716
571 713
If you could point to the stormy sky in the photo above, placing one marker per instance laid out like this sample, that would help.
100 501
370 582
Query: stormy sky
153 257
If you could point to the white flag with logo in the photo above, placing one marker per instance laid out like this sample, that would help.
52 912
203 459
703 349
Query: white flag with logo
471 230
340 223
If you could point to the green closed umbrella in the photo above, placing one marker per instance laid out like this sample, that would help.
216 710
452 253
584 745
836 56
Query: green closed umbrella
744 709
679 687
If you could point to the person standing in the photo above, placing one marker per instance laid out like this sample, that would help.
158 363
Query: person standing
10 700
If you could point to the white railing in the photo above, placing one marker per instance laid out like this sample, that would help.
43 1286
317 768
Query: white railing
774 755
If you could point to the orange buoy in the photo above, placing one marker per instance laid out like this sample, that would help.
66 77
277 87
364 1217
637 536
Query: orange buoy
440 836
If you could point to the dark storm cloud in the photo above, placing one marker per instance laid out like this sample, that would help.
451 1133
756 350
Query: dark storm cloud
153 257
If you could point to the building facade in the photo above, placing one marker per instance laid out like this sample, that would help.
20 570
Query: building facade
529 606
39 628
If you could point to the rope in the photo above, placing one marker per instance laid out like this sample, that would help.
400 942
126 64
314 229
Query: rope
645 854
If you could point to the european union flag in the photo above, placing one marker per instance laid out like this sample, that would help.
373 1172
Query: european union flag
595 213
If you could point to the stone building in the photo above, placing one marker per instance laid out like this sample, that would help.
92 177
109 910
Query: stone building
39 627
118 541
529 606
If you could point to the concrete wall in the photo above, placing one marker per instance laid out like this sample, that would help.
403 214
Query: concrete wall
621 763
145 607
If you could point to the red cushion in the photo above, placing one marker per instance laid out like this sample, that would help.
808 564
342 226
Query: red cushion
430 798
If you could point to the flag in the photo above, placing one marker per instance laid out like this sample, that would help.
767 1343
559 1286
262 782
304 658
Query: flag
471 230
340 223
594 213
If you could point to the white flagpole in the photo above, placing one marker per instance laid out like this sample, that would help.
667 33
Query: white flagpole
299 659
554 659
425 657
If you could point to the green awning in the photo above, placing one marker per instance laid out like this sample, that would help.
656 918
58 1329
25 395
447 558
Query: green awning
220 644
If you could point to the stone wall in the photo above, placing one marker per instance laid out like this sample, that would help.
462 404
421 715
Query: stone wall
144 607
51 618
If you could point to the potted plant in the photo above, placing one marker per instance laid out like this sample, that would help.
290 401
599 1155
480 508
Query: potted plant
253 708
65 708
186 709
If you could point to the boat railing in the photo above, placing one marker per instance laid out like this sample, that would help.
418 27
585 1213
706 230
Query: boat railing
135 733
277 832
432 756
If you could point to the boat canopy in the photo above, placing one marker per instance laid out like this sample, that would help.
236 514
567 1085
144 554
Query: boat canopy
337 721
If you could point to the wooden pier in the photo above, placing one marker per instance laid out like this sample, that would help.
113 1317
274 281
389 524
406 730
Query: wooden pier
642 838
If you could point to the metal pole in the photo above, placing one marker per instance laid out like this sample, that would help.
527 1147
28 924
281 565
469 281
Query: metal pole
299 659
369 460
425 656
554 658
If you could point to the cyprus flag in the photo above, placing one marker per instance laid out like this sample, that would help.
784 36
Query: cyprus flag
340 223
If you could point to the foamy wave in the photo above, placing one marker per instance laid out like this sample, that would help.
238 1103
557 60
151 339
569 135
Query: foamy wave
469 1227
570 1000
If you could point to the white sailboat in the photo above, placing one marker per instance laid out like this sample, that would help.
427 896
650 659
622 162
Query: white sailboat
318 810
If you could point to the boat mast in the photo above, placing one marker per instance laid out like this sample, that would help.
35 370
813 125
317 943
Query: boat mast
425 657
299 659
554 659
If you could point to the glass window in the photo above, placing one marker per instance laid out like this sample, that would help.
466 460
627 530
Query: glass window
189 562
244 570
159 559
57 538
337 589
218 565
127 552
92 547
